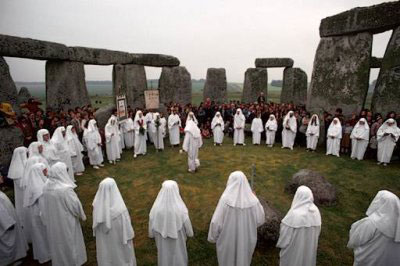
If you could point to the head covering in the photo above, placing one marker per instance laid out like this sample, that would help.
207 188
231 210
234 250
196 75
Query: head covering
290 121
72 138
40 135
59 177
92 126
271 124
192 117
384 212
303 212
58 137
137 118
360 131
313 128
238 193
18 162
240 115
33 149
192 128
335 129
34 184
169 212
108 203
112 128
385 128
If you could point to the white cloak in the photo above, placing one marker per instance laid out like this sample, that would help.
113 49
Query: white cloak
257 128
158 133
238 125
174 123
128 130
334 137
386 144
191 144
76 149
312 133
113 145
92 140
359 140
217 126
62 150
140 139
289 131
271 126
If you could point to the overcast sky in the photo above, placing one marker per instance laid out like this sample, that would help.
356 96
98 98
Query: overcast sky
202 34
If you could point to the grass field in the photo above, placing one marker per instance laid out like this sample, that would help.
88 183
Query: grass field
139 181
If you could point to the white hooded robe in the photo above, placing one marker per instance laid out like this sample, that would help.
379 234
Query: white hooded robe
92 140
76 149
257 128
312 133
191 144
289 131
387 143
140 139
359 140
217 126
174 123
49 150
63 153
128 132
239 122
334 137
113 146
158 132
271 126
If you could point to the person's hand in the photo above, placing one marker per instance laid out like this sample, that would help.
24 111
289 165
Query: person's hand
311 134
386 134
112 134
332 137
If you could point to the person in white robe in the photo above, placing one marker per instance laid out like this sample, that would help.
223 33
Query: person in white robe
149 119
61 212
375 239
191 144
92 141
16 173
170 226
59 141
271 126
387 136
13 245
289 130
163 122
359 139
191 116
239 122
35 183
140 127
49 150
113 148
312 133
112 227
76 149
334 137
235 221
217 126
174 123
128 132
257 128
158 133
300 230
121 138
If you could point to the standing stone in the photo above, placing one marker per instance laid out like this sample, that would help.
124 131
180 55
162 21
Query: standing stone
131 81
10 138
215 87
8 90
103 114
340 75
65 85
23 95
294 88
269 232
255 82
175 86
386 96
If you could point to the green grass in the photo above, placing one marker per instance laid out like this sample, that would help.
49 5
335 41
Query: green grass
139 181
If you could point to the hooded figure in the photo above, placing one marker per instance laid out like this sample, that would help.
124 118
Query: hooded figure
32 214
312 133
192 144
170 225
59 141
334 136
387 136
289 130
235 221
270 130
13 245
92 140
16 173
376 238
61 212
140 134
76 149
149 119
359 139
128 133
239 122
49 150
113 148
300 229
257 128
158 132
174 123
217 126
112 227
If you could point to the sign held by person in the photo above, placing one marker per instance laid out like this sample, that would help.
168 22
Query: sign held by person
122 110
152 99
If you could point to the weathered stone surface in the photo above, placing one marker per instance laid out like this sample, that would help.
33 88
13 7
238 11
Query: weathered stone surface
386 96
274 62
373 19
324 193
29 48
376 62
340 75
255 82
269 231
103 114
155 60
23 95
96 56
175 86
65 85
131 81
294 88
215 86
10 138
8 90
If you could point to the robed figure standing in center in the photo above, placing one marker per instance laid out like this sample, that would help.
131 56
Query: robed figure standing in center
191 144
289 130
174 123
239 122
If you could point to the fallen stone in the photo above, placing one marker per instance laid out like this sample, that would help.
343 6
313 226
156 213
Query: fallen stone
372 19
269 231
23 95
8 90
376 62
294 87
10 138
255 82
215 86
274 62
103 114
65 85
386 95
340 75
175 86
324 192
